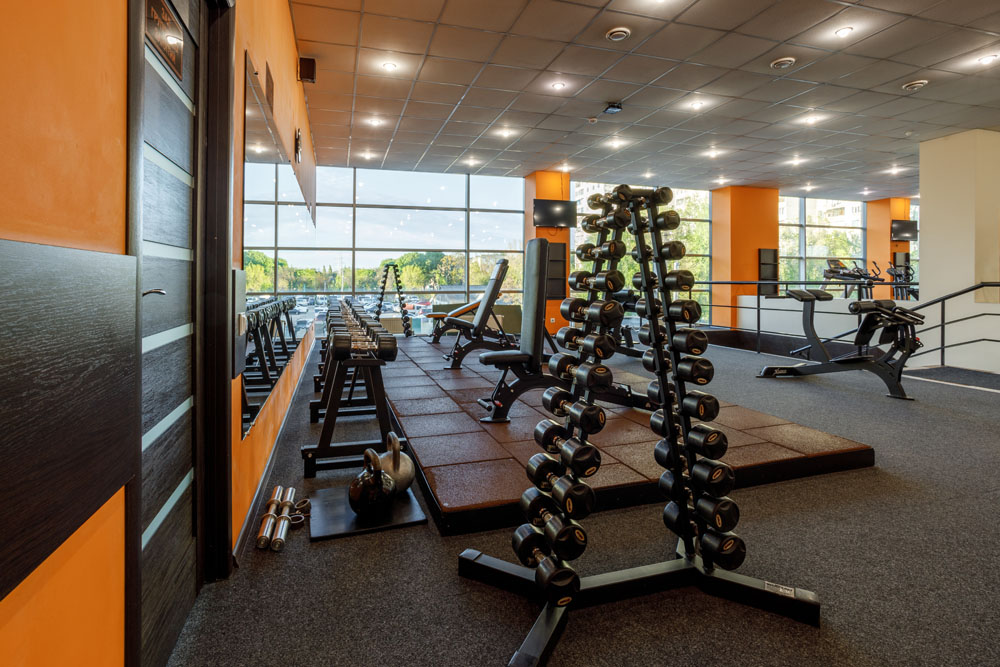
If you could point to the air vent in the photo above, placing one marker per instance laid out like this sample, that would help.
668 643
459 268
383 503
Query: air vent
782 63
613 107
914 86
619 34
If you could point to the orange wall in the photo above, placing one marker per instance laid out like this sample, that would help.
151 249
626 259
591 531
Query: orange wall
264 30
743 220
71 609
547 185
879 216
63 66
250 454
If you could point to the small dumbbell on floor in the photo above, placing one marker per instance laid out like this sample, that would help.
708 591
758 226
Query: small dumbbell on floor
558 582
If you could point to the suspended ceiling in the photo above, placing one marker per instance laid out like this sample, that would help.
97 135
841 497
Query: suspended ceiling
473 88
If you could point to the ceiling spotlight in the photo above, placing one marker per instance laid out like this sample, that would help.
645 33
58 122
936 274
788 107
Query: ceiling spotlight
615 142
713 153
988 60
619 34
721 179
389 67
504 132
812 119
367 155
782 63
374 122
895 170
558 85
471 161
565 167
647 175
916 196
844 32
697 104
796 161
914 86
258 149
808 187
866 192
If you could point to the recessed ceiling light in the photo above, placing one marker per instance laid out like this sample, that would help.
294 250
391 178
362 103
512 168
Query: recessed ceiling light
721 179
844 32
713 153
647 175
783 63
619 34
389 67
565 167
988 60
697 104
504 132
796 161
258 149
812 119
471 160
616 142
913 86
558 85
808 187
374 122
866 192
895 170
367 155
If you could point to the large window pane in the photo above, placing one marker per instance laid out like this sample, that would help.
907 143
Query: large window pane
288 185
692 204
500 231
334 185
696 237
822 242
788 241
259 267
314 271
258 225
481 266
833 213
410 228
789 269
410 188
496 192
789 210
915 246
296 230
258 182
419 271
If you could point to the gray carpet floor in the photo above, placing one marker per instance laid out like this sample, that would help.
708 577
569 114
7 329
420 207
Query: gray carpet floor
964 376
903 556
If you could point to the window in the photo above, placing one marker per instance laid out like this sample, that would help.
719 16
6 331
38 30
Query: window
812 231
443 231
915 246
695 231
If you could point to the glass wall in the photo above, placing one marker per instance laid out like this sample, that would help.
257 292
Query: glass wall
812 231
695 209
915 245
444 232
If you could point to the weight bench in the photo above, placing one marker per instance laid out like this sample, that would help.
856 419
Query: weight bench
441 327
477 334
526 362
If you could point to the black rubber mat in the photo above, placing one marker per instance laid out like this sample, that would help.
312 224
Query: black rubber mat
958 376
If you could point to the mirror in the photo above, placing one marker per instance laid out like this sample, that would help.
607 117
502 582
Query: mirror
274 323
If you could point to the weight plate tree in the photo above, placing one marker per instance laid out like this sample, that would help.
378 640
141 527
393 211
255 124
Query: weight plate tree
699 511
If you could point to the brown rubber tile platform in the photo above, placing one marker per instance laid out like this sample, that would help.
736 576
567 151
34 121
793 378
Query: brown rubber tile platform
473 473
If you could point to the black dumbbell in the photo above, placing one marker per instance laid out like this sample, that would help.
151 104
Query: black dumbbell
559 583
695 369
567 539
667 220
684 310
707 441
604 281
607 313
599 202
672 250
642 308
667 456
601 346
653 355
590 418
590 376
569 337
657 196
617 219
674 486
637 281
724 549
611 250
721 514
700 405
641 252
677 518
581 457
679 280
659 422
690 341
646 333
713 477
627 298
574 498
654 391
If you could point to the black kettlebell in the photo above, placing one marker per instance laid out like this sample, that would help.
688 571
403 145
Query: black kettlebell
372 491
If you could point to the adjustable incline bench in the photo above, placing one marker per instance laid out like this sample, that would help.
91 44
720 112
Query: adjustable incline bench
441 328
526 362
476 334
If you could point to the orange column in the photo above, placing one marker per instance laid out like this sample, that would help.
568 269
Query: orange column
547 185
879 215
743 221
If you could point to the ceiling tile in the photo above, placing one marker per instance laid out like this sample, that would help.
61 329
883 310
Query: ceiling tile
787 18
741 109
565 123
332 131
897 38
553 20
936 78
463 43
679 41
584 60
424 91
507 78
425 10
521 118
607 91
689 77
865 23
656 10
723 14
642 28
328 56
858 102
428 110
421 139
485 97
330 101
665 118
537 103
380 86
390 34
959 12
776 90
735 84
464 129
639 69
330 81
875 75
371 61
526 52
319 24
320 116
834 67
946 47
376 106
483 14
653 97
991 22
442 70
419 124
968 63
733 50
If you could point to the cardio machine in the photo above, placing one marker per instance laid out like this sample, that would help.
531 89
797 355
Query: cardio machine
898 330
837 270
903 273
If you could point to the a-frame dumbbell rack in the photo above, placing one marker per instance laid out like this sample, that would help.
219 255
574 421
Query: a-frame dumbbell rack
703 554
404 316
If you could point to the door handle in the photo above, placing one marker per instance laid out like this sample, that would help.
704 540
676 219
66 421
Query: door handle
161 292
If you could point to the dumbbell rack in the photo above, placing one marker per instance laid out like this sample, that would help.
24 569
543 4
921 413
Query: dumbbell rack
701 553
404 316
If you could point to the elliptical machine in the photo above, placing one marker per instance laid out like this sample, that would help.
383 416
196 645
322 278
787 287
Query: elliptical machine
898 327
903 273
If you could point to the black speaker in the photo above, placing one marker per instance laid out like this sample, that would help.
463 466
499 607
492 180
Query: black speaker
307 70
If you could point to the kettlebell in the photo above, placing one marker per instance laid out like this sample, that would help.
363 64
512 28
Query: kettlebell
371 492
396 464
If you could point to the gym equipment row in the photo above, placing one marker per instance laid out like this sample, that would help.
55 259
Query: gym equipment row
526 362
404 315
268 350
354 352
695 482
902 275
898 330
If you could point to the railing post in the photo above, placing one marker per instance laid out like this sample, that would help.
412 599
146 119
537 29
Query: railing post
942 333
758 319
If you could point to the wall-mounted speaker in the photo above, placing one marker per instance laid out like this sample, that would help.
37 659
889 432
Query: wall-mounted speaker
307 70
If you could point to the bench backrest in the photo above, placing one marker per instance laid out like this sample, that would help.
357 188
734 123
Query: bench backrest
536 258
490 295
